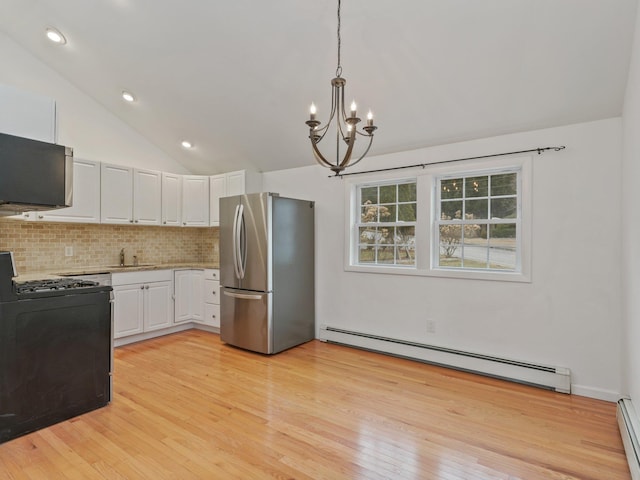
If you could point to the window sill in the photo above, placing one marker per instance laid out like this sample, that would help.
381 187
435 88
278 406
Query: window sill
441 273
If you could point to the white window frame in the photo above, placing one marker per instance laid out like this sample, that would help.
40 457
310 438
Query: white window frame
356 223
425 223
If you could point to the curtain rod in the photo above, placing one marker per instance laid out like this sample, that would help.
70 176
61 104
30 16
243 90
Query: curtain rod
423 165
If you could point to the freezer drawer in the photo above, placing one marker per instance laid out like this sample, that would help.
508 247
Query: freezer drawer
246 319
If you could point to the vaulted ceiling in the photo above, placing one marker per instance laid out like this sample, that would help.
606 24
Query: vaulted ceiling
236 78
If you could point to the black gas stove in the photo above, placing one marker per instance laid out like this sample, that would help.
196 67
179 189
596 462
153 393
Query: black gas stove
56 346
52 287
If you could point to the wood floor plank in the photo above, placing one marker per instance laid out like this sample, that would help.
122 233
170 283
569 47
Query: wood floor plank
190 407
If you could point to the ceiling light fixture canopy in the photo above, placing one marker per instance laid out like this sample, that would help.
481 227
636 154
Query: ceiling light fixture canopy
346 126
55 36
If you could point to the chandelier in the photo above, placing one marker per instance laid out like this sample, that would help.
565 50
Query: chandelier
346 125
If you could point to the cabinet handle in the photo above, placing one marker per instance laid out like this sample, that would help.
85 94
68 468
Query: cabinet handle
141 287
214 292
136 221
131 221
147 287
40 216
164 223
213 316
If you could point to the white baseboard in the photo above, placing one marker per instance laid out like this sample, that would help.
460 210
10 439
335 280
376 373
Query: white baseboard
597 393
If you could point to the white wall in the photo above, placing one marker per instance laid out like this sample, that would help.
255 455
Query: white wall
92 131
631 224
569 315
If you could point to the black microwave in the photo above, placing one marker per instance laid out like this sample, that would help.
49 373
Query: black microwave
34 175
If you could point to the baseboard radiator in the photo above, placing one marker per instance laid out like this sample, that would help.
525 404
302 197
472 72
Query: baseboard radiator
551 378
629 430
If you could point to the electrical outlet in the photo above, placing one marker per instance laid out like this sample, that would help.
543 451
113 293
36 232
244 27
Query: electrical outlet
68 251
431 326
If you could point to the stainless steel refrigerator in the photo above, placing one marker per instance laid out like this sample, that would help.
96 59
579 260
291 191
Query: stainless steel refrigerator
266 272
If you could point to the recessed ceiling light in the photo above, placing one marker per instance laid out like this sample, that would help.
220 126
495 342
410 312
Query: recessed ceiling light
187 144
128 96
55 36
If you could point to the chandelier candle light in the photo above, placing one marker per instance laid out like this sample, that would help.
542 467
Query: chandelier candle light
346 126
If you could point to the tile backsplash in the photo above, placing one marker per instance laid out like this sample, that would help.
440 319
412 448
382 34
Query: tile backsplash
40 246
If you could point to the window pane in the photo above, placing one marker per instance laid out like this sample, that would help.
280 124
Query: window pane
367 235
387 213
451 188
369 214
366 254
502 254
369 195
505 184
476 252
476 209
407 192
405 235
477 186
504 207
407 212
450 237
451 210
385 255
406 255
388 194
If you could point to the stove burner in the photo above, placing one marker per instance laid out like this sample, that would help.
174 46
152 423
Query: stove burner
52 285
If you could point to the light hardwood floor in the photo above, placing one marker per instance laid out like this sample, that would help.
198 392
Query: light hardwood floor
187 406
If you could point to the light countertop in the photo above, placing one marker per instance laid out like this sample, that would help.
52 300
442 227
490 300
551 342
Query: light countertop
94 270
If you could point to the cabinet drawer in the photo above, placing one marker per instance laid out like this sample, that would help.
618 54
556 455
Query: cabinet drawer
212 315
212 292
212 274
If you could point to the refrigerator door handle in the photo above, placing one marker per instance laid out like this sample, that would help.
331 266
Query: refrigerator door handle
243 296
235 243
242 243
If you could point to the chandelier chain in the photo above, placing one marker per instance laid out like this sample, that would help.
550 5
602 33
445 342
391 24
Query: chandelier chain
339 67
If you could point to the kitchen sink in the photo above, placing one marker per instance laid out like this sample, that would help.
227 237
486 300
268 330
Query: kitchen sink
130 266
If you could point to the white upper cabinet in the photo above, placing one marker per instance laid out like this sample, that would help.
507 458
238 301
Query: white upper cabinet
86 196
228 184
147 197
25 114
218 188
130 195
171 199
195 201
116 194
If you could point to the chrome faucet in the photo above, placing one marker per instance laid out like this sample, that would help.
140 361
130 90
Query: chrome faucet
122 257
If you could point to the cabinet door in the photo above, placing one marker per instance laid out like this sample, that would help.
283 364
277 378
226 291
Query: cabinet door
217 189
182 289
128 310
195 200
235 183
171 199
197 295
116 194
158 306
86 196
147 197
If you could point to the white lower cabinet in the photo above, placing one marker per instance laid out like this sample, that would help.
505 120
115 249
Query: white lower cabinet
143 301
189 291
211 298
